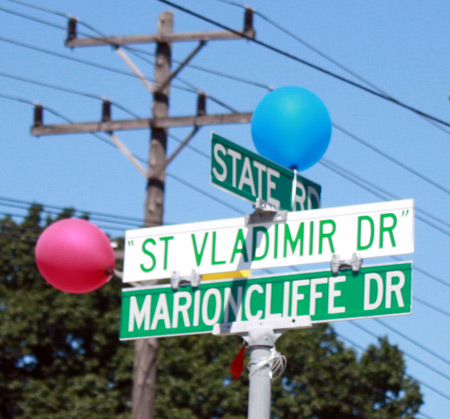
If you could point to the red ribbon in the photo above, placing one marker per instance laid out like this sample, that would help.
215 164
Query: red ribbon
237 365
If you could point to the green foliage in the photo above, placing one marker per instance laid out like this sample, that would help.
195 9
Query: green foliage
60 357
323 379
59 353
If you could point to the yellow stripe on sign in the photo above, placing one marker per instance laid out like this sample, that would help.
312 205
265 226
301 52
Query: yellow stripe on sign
245 273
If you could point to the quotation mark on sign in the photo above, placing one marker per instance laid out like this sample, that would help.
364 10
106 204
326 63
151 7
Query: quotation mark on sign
130 242
405 213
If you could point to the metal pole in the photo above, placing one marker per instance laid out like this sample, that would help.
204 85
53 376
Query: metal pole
261 342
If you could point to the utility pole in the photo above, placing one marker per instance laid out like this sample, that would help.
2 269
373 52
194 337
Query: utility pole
145 350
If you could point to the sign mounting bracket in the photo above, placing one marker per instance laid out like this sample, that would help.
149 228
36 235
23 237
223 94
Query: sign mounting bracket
177 280
264 213
354 263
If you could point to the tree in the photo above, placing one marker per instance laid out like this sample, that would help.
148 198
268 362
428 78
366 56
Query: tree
323 379
59 353
60 357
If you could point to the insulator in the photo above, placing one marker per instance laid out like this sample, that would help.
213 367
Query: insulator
71 29
106 111
38 115
201 104
248 20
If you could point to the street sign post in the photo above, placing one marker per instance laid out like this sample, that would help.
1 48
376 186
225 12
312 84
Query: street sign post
251 176
304 237
374 291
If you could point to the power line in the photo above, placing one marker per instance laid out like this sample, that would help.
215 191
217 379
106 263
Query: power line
429 305
64 118
33 103
128 48
191 87
323 55
34 19
381 193
435 390
358 379
60 208
424 364
67 57
365 143
392 159
67 90
196 188
100 218
337 127
210 71
309 64
44 9
194 88
191 147
426 273
134 51
414 342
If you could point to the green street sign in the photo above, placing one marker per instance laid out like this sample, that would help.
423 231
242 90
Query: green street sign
251 176
374 291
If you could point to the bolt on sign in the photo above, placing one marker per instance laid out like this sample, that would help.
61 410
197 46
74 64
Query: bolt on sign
372 230
251 176
374 291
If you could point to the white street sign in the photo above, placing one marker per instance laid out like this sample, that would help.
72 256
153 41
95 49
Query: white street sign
372 230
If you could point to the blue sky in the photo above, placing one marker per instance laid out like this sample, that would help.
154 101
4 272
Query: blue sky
399 47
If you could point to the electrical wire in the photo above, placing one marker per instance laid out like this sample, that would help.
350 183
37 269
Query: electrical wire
78 211
272 22
323 55
414 342
196 89
422 383
419 300
99 33
191 147
308 64
380 192
91 216
424 364
338 128
44 9
196 188
375 189
424 272
392 159
354 378
67 57
68 90
433 307
208 70
191 87
33 103
34 19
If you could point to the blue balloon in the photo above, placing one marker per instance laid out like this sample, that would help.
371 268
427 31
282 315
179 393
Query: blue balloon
292 127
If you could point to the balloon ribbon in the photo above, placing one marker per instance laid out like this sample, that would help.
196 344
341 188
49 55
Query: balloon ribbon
237 365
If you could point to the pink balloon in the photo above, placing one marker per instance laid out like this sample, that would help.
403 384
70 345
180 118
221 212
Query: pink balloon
75 256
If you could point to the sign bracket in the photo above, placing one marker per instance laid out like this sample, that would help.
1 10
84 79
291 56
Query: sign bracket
354 263
264 213
177 280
